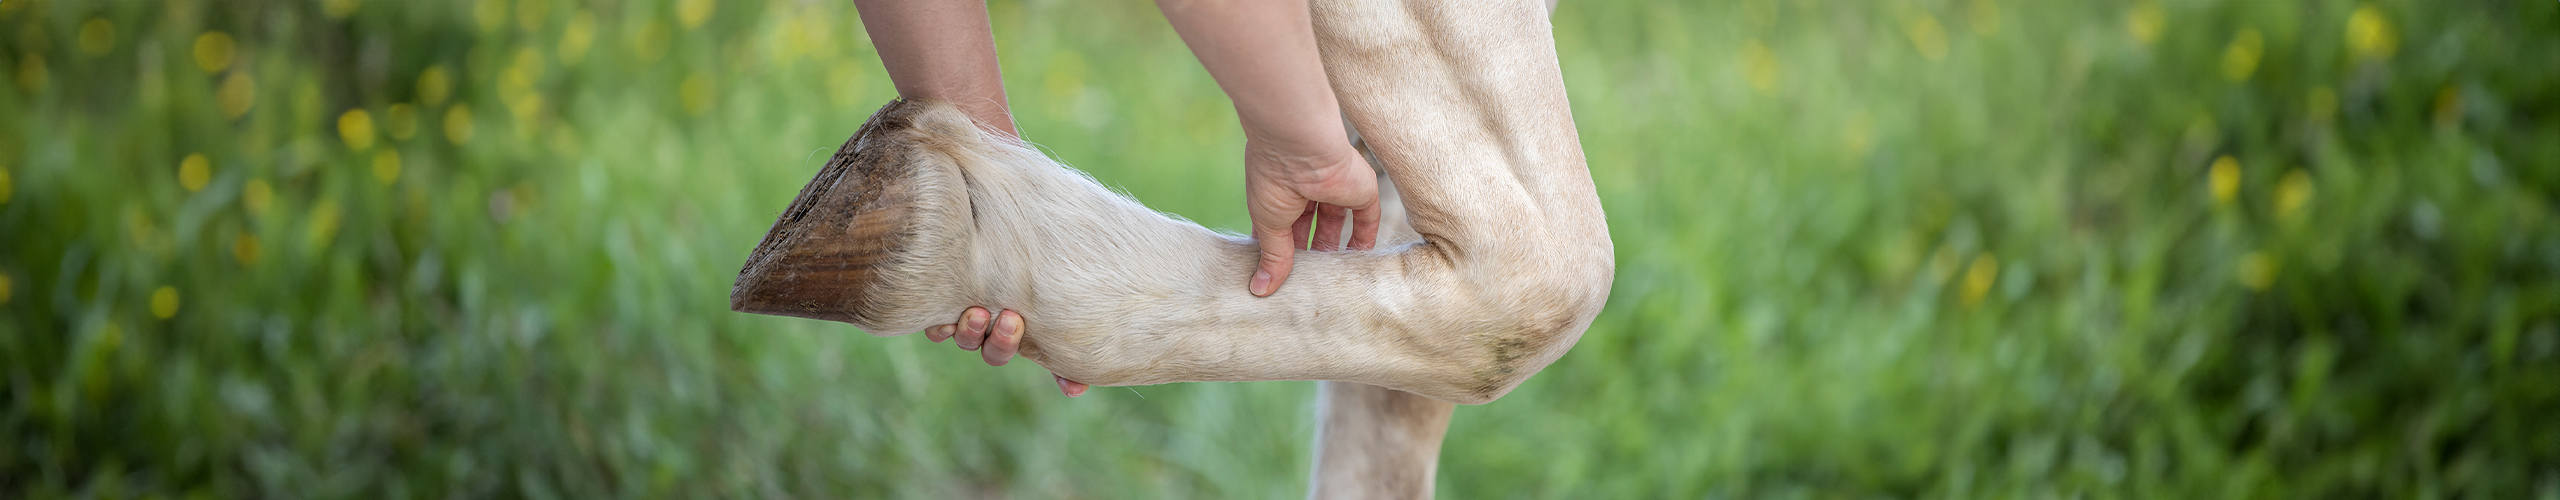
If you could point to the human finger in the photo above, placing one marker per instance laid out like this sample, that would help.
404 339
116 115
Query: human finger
1273 267
1306 224
939 332
1329 221
1071 388
1364 227
1348 191
973 328
1003 340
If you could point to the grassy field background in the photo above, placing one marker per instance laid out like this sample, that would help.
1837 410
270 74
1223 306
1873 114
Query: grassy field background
1970 248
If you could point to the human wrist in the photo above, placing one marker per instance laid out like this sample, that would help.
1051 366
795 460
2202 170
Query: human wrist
1296 158
1298 144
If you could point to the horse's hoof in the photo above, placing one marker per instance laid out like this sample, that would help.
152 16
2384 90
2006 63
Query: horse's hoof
872 238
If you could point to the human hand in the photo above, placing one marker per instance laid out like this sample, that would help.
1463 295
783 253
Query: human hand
1301 177
996 338
1294 192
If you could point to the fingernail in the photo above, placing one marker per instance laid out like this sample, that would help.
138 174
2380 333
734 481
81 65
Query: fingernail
978 321
1261 282
1062 387
1009 326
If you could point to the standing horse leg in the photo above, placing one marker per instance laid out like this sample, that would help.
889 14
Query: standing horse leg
1375 442
1371 441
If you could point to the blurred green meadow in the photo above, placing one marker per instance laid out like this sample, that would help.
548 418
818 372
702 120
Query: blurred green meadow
1965 248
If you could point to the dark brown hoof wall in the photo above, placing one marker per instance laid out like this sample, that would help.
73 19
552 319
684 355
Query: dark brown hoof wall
851 228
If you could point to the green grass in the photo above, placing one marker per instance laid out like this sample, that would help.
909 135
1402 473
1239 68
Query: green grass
1902 249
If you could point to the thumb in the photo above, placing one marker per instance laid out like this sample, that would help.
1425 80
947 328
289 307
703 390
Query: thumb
1278 248
1274 266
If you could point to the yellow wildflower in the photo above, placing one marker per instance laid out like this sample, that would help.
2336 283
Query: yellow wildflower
1927 36
2225 179
97 36
145 234
694 12
194 172
386 165
804 33
257 196
1760 66
1986 17
2323 103
2292 193
356 128
164 302
213 51
490 14
238 93
2369 35
2146 20
695 94
324 224
564 140
530 14
1979 277
434 85
649 42
2240 59
2257 271
400 120
457 124
244 249
339 9
517 85
577 37
526 108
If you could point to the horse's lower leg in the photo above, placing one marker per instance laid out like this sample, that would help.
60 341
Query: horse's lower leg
1375 442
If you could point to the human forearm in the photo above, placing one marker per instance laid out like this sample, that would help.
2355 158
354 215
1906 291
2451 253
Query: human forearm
941 50
1303 182
1263 54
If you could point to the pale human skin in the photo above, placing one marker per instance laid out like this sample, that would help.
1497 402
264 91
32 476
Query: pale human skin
1302 176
